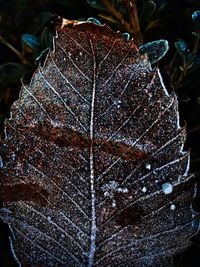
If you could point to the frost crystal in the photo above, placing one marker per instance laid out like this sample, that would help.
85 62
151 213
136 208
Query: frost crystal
144 189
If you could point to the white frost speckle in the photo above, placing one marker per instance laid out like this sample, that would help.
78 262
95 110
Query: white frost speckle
122 190
113 187
148 166
106 194
110 186
64 58
172 207
13 156
167 188
113 203
1 162
144 189
49 218
80 54
109 189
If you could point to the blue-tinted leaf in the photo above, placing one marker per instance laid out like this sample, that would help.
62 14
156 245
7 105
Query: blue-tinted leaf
155 50
196 19
181 47
30 40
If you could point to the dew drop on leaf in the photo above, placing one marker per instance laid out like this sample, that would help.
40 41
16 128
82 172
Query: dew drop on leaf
172 207
167 188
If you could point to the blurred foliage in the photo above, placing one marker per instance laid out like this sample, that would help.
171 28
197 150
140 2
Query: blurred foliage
26 30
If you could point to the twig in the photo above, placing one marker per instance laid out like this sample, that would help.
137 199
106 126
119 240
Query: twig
133 27
117 14
134 21
19 55
10 47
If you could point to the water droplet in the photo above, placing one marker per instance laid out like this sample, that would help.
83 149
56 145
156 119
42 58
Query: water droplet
1 162
144 189
172 207
148 166
64 58
80 54
167 188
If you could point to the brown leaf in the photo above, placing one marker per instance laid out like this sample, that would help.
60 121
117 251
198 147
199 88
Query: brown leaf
93 170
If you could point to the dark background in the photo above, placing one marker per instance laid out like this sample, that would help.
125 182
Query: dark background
26 30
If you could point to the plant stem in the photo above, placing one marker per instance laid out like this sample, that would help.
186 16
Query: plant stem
133 26
3 41
117 14
19 55
134 21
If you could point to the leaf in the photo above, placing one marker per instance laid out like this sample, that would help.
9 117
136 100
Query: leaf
93 169
31 40
155 50
196 19
182 48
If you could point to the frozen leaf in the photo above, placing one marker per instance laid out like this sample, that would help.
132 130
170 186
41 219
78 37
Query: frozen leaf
155 50
196 19
182 47
91 144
